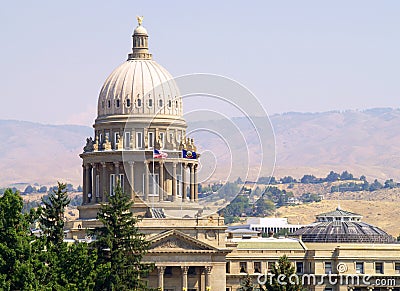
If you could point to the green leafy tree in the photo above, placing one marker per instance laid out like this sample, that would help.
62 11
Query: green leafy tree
52 214
21 265
120 246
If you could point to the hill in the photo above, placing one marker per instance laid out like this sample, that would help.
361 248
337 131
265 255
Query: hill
362 142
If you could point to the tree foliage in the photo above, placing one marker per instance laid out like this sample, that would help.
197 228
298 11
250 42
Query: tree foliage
52 214
120 246
283 277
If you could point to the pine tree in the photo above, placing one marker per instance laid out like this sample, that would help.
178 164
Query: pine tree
120 246
283 277
52 214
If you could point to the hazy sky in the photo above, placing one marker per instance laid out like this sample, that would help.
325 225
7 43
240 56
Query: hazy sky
294 55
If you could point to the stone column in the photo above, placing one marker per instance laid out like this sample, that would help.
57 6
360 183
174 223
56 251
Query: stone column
174 188
196 188
88 173
84 191
183 165
191 167
207 271
185 270
146 181
116 172
104 182
161 182
94 186
132 179
161 270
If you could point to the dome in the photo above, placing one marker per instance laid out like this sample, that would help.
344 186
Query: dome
140 30
140 86
341 226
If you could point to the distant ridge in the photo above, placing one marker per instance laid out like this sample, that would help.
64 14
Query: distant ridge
360 141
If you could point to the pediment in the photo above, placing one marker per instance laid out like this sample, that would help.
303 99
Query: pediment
176 241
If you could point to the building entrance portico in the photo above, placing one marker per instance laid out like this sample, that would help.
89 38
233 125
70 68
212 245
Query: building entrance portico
183 263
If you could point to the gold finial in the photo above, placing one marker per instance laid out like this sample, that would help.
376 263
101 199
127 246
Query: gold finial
139 19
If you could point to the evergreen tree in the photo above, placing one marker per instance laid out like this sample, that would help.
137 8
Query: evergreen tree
120 246
52 214
283 277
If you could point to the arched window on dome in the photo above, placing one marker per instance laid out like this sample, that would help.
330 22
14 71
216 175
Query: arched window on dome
169 103
160 103
102 104
176 105
109 103
150 102
128 102
118 103
139 102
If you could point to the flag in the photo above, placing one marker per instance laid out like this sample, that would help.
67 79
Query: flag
159 154
189 154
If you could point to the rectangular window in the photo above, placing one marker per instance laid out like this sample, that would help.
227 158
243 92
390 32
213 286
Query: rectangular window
228 267
179 185
270 266
121 181
127 140
328 267
151 139
243 267
171 137
97 186
112 184
162 138
257 267
153 184
328 289
379 268
116 135
397 268
192 271
100 138
299 268
359 267
168 271
139 140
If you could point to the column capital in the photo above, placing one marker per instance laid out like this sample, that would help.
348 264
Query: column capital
161 269
103 164
87 166
208 269
116 163
185 269
131 163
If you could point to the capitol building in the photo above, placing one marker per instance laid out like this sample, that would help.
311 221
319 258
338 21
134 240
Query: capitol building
140 141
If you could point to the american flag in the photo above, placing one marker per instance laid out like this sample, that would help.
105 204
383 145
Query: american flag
159 154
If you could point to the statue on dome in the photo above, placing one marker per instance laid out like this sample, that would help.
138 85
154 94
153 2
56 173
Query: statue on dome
139 19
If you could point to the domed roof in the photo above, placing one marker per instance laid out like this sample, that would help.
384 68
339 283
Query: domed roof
140 85
341 226
140 30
